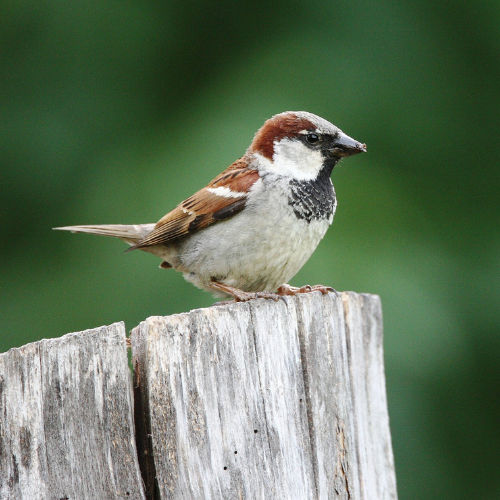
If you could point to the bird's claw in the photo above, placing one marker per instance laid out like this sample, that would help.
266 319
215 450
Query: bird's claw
283 290
242 296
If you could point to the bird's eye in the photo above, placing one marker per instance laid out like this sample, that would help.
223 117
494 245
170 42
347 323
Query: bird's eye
312 138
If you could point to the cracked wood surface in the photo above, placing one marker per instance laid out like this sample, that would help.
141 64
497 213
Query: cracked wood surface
66 422
271 400
267 400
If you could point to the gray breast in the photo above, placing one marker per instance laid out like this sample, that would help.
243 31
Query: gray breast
313 199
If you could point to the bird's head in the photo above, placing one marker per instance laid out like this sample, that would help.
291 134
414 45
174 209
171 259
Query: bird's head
299 144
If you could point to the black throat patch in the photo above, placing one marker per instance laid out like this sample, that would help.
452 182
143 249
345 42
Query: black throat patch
313 199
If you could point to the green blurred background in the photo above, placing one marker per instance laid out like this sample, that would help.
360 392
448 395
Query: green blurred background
112 112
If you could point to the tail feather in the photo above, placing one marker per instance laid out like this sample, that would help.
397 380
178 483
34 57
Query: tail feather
131 233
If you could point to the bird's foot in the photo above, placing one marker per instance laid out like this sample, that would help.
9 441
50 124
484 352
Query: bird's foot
240 295
287 289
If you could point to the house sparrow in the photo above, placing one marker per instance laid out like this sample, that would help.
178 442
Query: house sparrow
254 226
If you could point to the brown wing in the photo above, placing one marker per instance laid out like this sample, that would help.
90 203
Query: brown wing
225 196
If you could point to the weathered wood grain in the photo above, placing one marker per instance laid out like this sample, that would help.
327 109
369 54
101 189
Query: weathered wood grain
363 316
66 424
267 400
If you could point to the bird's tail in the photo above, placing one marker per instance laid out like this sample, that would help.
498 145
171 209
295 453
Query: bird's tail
131 233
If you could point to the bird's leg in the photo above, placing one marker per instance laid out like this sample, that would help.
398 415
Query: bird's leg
240 295
287 289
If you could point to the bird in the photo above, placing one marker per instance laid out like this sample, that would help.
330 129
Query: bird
254 226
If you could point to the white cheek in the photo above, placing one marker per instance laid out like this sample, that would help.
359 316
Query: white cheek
294 159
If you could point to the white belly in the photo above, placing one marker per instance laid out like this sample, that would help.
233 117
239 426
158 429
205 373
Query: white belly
258 249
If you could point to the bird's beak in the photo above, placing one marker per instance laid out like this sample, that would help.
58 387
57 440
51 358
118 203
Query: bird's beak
347 146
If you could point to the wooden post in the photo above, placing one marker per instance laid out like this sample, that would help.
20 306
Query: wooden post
267 400
257 400
66 427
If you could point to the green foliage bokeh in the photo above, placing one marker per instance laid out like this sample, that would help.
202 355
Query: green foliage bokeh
113 112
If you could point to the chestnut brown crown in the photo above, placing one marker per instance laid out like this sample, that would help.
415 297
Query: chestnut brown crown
301 125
